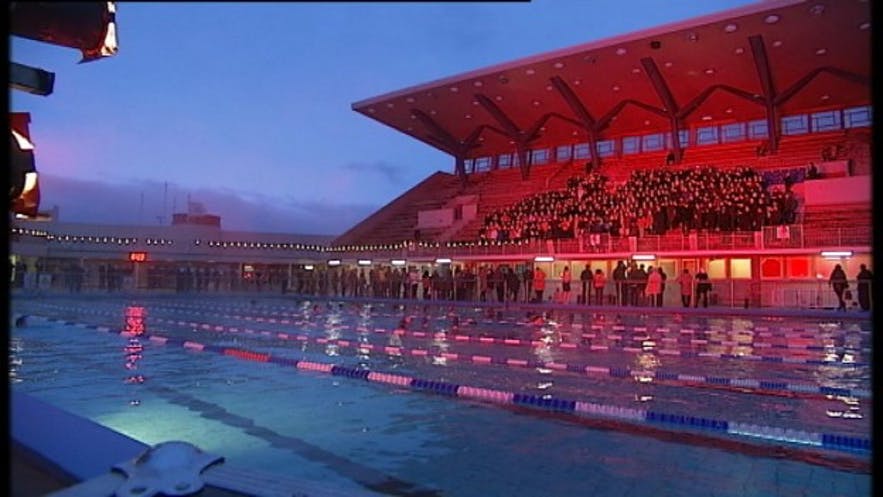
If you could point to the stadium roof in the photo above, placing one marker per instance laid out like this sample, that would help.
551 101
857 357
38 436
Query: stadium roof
783 55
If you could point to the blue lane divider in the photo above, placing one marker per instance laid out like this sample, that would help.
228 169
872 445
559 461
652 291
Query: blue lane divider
842 443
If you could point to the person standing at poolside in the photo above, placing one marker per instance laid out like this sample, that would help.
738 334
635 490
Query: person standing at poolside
703 286
864 287
839 285
619 277
686 282
599 281
565 285
653 288
586 279
539 283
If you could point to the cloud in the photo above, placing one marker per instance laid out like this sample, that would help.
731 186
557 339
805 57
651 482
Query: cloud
392 173
152 202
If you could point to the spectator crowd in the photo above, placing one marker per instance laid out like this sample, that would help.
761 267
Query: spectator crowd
650 202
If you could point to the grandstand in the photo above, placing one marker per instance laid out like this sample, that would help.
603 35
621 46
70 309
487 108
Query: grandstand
725 84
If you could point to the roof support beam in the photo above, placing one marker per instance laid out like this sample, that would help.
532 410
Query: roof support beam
834 71
512 130
668 100
586 119
605 120
446 141
441 133
694 104
764 72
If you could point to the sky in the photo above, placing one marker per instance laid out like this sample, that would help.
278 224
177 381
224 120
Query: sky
246 107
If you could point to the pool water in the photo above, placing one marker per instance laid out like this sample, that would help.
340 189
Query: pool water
396 440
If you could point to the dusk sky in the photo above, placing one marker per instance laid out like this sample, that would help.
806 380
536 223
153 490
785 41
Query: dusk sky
246 107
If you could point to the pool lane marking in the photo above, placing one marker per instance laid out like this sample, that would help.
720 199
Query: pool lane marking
592 347
683 331
602 348
735 385
597 347
843 443
613 326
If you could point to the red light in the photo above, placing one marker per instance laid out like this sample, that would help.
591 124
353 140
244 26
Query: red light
138 256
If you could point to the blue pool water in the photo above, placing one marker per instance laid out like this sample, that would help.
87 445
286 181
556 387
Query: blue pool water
397 440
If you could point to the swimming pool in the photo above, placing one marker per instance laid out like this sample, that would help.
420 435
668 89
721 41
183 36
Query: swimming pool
503 403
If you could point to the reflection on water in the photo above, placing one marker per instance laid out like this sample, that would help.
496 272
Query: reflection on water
135 326
15 361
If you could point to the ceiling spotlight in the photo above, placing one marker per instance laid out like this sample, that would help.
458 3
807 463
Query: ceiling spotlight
454 89
864 26
655 44
691 36
668 64
621 51
821 51
498 98
825 97
777 43
730 28
740 51
771 19
817 10
709 71
503 79
410 100
558 65
530 72
477 84
577 82
615 88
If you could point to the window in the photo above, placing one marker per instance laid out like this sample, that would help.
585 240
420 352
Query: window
740 268
631 145
563 153
581 151
707 135
771 268
468 165
856 117
798 267
539 156
732 132
606 148
652 143
795 125
758 129
717 269
504 161
483 164
683 137
825 121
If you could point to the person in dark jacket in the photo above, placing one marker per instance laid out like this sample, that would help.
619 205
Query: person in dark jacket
839 285
864 287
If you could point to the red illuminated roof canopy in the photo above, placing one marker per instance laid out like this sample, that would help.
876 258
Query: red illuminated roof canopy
788 56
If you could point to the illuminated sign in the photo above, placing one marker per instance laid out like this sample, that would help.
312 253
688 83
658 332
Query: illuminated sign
138 256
